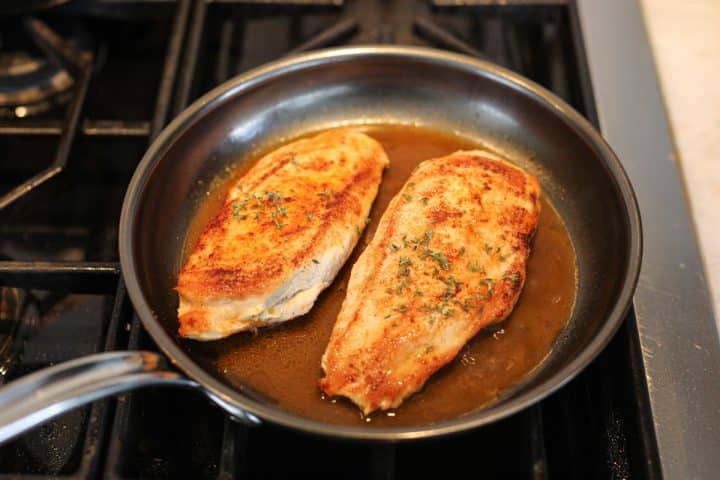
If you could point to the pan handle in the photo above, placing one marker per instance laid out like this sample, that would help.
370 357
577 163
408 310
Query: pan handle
47 393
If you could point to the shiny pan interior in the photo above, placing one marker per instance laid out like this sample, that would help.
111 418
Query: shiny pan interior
401 85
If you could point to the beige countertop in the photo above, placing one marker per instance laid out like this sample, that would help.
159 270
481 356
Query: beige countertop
685 39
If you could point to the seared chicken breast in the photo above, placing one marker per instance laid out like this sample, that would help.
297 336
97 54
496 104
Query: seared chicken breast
281 236
448 259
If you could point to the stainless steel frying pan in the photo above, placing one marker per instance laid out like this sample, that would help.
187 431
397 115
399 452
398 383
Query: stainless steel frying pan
374 84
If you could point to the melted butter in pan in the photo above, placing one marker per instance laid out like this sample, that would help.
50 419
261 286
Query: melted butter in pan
284 362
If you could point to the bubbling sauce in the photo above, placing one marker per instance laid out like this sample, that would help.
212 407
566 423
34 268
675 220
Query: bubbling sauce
283 362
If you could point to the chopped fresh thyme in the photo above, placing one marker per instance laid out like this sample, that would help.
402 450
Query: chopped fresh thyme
237 209
324 194
408 197
475 267
425 200
236 212
429 349
490 284
274 197
488 248
427 236
394 248
467 304
309 216
438 257
411 184
277 223
405 264
402 308
452 286
514 277
462 251
402 286
315 261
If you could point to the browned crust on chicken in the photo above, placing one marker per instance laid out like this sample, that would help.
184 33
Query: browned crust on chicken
448 259
297 203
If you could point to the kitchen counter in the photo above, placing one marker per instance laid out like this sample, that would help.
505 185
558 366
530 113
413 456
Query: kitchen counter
685 39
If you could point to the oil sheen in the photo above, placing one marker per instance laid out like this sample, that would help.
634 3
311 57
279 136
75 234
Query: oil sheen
283 362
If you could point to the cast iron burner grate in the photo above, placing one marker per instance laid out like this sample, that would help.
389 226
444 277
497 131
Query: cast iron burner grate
63 176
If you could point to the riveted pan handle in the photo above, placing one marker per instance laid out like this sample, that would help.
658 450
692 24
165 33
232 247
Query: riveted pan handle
40 396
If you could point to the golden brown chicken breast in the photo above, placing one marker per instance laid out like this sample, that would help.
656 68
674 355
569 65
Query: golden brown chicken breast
448 258
284 231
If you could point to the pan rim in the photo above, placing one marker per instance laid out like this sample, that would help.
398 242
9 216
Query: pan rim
247 81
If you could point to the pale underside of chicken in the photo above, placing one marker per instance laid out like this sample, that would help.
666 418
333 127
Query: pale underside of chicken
448 259
283 232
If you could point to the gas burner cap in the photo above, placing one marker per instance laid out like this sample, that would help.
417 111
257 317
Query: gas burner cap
29 85
32 83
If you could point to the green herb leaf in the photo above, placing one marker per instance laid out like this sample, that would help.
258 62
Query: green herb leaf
427 237
438 257
452 286
402 286
237 211
277 223
490 284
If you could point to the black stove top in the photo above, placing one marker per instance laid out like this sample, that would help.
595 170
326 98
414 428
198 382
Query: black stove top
64 171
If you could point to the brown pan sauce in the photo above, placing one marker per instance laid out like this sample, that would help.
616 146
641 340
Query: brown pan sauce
283 362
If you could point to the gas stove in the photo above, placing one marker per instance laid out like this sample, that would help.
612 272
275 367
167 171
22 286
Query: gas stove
106 77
